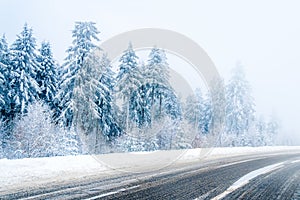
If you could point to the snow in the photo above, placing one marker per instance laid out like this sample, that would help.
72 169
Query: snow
245 179
34 172
213 153
29 172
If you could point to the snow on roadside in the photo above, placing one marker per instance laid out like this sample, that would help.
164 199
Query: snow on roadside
33 172
220 152
24 172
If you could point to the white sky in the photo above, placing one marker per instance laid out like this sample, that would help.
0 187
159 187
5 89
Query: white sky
263 35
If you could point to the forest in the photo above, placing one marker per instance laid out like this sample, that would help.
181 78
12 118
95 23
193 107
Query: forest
84 106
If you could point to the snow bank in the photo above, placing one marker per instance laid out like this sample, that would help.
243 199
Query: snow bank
31 172
220 152
28 172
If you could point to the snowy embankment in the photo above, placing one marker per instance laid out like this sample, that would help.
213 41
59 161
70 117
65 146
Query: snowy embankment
222 152
31 172
37 172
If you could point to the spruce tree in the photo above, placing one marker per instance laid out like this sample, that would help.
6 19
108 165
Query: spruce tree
84 35
194 110
140 103
24 68
239 103
4 67
127 82
105 100
47 76
157 78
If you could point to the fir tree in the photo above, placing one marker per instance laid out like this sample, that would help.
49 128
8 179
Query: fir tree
157 71
140 103
157 79
161 96
240 104
194 110
47 76
217 103
83 35
128 81
24 68
207 116
4 67
170 103
105 100
261 132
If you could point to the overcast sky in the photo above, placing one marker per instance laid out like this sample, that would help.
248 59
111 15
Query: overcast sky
263 35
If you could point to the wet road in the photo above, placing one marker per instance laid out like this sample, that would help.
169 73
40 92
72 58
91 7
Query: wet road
206 180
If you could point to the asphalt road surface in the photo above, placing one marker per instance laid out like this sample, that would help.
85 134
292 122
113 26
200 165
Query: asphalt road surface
272 176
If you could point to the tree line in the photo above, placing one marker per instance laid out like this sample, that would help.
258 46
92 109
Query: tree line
84 106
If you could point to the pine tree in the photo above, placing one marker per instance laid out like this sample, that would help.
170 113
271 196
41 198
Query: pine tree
83 35
273 125
2 139
47 76
24 68
218 104
170 103
157 71
207 116
4 67
194 110
4 94
105 101
128 81
272 130
240 104
140 103
261 132
162 97
84 94
157 78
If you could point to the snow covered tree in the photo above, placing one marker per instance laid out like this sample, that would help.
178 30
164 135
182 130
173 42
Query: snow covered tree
194 110
66 142
140 107
261 132
47 75
94 103
140 103
4 86
83 35
207 116
157 72
218 107
86 84
157 78
105 100
239 103
129 76
24 68
35 136
166 136
2 139
273 125
272 130
170 103
163 99
128 80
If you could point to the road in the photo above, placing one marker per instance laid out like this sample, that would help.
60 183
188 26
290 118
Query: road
270 176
